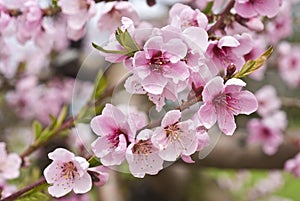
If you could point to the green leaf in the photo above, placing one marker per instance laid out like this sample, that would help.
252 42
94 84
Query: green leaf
34 196
125 40
101 49
252 65
208 7
94 161
37 129
99 85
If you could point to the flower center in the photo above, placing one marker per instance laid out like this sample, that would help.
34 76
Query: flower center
173 132
142 147
158 61
114 137
69 170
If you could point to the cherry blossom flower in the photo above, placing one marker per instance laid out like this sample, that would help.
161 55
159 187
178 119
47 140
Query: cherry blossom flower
24 100
78 12
29 23
282 25
175 138
112 12
252 8
9 163
142 156
268 101
222 102
184 16
67 172
289 64
230 49
115 133
268 132
293 165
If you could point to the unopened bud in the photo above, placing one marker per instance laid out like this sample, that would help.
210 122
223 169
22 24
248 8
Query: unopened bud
230 70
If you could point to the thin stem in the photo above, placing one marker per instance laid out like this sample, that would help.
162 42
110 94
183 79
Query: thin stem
221 21
66 125
17 194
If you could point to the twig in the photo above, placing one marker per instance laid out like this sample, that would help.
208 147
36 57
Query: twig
24 190
220 23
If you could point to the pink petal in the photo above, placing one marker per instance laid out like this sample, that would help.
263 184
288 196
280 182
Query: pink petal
61 154
12 165
196 36
171 118
269 8
213 88
207 115
83 184
103 125
61 187
228 41
246 44
226 121
51 173
154 84
177 48
177 71
101 147
187 159
247 102
245 9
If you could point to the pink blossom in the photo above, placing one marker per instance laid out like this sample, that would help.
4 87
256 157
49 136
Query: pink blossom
282 25
184 16
293 165
9 163
222 102
100 175
230 50
29 23
252 8
289 64
115 133
78 12
31 100
67 172
112 12
142 156
267 132
268 101
174 138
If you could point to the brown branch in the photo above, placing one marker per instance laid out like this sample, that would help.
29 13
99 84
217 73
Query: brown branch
290 102
221 21
17 194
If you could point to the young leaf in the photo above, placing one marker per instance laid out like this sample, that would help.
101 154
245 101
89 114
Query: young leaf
94 161
37 129
101 49
252 65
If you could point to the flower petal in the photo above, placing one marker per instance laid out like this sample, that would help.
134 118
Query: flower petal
83 184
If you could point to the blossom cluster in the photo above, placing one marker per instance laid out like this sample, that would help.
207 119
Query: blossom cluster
190 69
268 131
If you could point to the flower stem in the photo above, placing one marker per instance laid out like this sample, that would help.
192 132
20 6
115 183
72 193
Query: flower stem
17 194
221 21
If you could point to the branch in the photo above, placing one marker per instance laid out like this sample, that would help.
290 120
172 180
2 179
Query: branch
17 194
221 21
